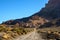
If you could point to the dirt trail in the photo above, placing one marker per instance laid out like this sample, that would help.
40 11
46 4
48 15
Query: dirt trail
31 36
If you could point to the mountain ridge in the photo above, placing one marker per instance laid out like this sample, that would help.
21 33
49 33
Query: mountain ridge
50 12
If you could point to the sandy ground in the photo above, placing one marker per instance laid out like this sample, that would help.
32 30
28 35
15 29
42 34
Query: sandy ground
31 36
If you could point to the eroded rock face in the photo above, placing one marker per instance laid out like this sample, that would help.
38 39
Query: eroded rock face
53 4
51 10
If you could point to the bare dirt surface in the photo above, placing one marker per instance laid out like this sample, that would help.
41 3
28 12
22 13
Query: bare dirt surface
31 36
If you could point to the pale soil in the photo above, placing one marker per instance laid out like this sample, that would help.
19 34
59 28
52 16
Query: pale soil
31 36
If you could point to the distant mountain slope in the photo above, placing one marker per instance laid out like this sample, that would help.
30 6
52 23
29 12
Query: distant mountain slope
50 12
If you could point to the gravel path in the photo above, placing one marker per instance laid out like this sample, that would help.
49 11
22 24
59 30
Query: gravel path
31 36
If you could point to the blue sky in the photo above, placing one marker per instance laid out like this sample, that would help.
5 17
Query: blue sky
14 9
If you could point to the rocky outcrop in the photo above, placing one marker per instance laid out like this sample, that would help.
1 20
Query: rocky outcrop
51 10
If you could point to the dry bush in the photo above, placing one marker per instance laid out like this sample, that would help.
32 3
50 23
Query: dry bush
12 32
50 33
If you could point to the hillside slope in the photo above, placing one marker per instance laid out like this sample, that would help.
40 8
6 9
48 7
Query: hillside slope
49 13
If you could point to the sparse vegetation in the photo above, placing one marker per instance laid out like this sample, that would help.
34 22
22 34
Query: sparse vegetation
50 33
12 32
